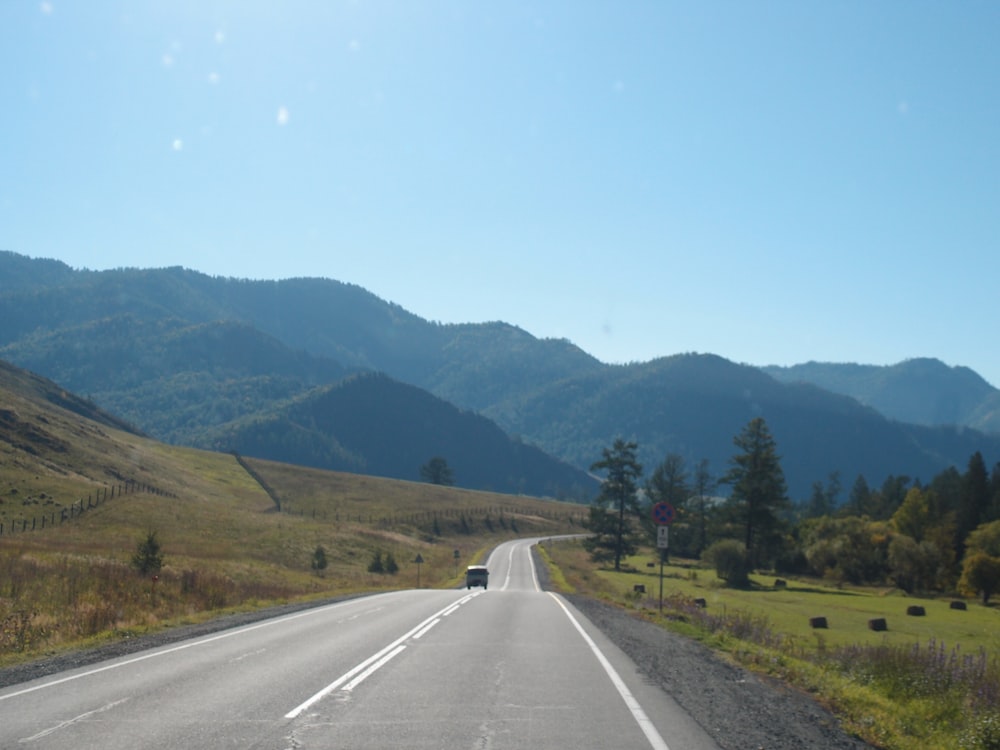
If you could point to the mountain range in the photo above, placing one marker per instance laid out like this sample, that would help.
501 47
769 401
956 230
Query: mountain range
322 373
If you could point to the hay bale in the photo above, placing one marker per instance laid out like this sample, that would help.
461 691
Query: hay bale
878 624
700 603
818 622
915 610
780 583
639 588
958 605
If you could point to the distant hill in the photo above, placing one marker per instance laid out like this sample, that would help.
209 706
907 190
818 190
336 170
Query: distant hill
921 391
200 360
371 424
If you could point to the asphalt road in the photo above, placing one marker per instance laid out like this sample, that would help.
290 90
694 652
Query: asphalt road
509 667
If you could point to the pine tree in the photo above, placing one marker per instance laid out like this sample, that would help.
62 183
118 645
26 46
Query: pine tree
974 499
148 557
618 492
758 488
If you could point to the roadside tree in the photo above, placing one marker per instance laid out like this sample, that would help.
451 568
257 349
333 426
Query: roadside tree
617 506
758 491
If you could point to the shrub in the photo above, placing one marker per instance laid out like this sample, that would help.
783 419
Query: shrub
148 558
391 567
319 559
729 558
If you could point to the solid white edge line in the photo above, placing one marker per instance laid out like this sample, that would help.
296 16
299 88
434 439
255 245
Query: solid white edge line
364 665
534 572
655 740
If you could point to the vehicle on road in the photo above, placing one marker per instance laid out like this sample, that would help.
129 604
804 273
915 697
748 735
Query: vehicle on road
477 575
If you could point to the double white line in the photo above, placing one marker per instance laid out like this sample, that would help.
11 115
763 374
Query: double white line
350 680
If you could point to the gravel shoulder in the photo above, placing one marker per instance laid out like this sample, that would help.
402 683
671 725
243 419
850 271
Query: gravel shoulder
739 709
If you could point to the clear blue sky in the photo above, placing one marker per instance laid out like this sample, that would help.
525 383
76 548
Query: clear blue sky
773 182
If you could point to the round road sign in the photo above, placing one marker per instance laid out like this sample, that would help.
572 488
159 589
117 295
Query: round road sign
663 514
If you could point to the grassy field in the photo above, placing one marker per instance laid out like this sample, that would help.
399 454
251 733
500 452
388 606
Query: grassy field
931 682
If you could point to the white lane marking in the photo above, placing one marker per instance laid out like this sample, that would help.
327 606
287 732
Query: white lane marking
373 668
371 660
187 645
70 722
510 567
655 740
449 610
416 636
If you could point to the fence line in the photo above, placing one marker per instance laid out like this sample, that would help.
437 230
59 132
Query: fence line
77 508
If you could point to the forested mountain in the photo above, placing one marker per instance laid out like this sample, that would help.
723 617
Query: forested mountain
200 360
922 391
371 424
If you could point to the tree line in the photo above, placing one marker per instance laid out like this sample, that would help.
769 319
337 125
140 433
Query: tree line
939 536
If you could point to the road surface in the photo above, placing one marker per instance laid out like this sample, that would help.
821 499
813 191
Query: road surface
509 667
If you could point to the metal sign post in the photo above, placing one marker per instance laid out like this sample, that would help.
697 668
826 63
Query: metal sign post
663 516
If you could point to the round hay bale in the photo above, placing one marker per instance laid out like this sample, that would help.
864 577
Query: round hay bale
818 622
878 624
915 610
958 605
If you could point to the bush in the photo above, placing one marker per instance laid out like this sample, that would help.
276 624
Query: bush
147 558
729 558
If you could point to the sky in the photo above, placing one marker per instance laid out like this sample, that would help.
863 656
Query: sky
772 182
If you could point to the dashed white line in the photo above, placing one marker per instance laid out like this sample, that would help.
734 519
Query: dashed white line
374 662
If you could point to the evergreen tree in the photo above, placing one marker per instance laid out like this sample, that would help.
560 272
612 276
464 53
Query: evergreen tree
703 486
859 502
974 499
993 512
758 489
391 566
618 492
148 558
824 497
319 561
437 471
